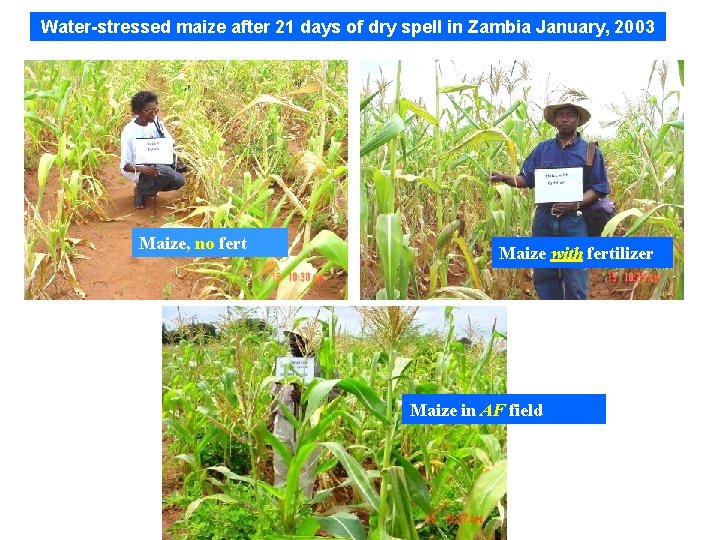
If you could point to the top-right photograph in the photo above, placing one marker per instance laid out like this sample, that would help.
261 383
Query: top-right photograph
522 180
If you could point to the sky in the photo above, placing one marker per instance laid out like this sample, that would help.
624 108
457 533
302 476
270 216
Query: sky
606 82
431 317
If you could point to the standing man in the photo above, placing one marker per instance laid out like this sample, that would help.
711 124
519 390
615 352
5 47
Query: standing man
301 346
567 150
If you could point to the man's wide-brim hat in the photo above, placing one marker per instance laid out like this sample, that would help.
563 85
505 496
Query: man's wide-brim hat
550 110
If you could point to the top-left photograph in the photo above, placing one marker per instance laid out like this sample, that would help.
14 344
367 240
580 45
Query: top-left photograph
244 144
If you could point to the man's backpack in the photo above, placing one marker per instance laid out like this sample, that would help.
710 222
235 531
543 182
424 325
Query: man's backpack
601 211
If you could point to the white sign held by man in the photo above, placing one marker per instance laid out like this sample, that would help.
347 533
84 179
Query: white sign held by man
558 185
154 151
286 366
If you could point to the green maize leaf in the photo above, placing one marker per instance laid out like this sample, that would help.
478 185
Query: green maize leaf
455 88
402 509
380 534
485 136
681 71
406 104
434 269
427 388
401 364
180 431
189 459
355 471
44 166
289 415
273 441
366 396
492 445
343 525
33 117
416 485
292 486
642 219
488 489
389 240
429 182
679 124
446 234
231 475
615 221
384 191
327 465
407 264
329 414
318 394
309 526
219 497
670 225
394 126
366 101
329 245
507 113
363 212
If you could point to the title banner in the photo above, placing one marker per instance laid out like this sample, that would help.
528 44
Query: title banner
582 252
207 242
503 408
356 26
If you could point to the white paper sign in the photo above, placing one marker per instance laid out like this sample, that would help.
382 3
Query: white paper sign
558 185
286 366
154 151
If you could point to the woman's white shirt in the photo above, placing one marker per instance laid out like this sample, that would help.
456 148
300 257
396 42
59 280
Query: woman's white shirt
131 132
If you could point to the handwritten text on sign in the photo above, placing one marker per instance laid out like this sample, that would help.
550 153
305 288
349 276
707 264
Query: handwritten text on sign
558 185
286 366
154 151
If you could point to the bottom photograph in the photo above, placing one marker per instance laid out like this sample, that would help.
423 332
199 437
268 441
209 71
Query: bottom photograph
286 423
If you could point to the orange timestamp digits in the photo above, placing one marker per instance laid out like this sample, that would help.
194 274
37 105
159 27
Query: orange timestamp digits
455 518
303 277
633 277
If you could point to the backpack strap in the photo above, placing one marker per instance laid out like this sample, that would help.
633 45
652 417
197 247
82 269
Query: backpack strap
159 129
590 156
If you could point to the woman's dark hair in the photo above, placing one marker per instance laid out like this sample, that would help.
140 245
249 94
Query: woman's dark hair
139 100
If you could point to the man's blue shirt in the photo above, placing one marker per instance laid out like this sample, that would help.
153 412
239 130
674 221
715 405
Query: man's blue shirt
550 155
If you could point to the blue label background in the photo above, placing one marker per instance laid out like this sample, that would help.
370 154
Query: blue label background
270 242
662 248
556 408
297 18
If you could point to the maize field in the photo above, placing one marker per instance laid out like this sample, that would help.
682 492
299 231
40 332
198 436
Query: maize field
374 477
266 144
429 213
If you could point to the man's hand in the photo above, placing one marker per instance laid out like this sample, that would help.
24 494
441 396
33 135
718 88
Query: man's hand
510 180
558 209
498 177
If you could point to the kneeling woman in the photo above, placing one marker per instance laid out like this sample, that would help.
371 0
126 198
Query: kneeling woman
148 179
